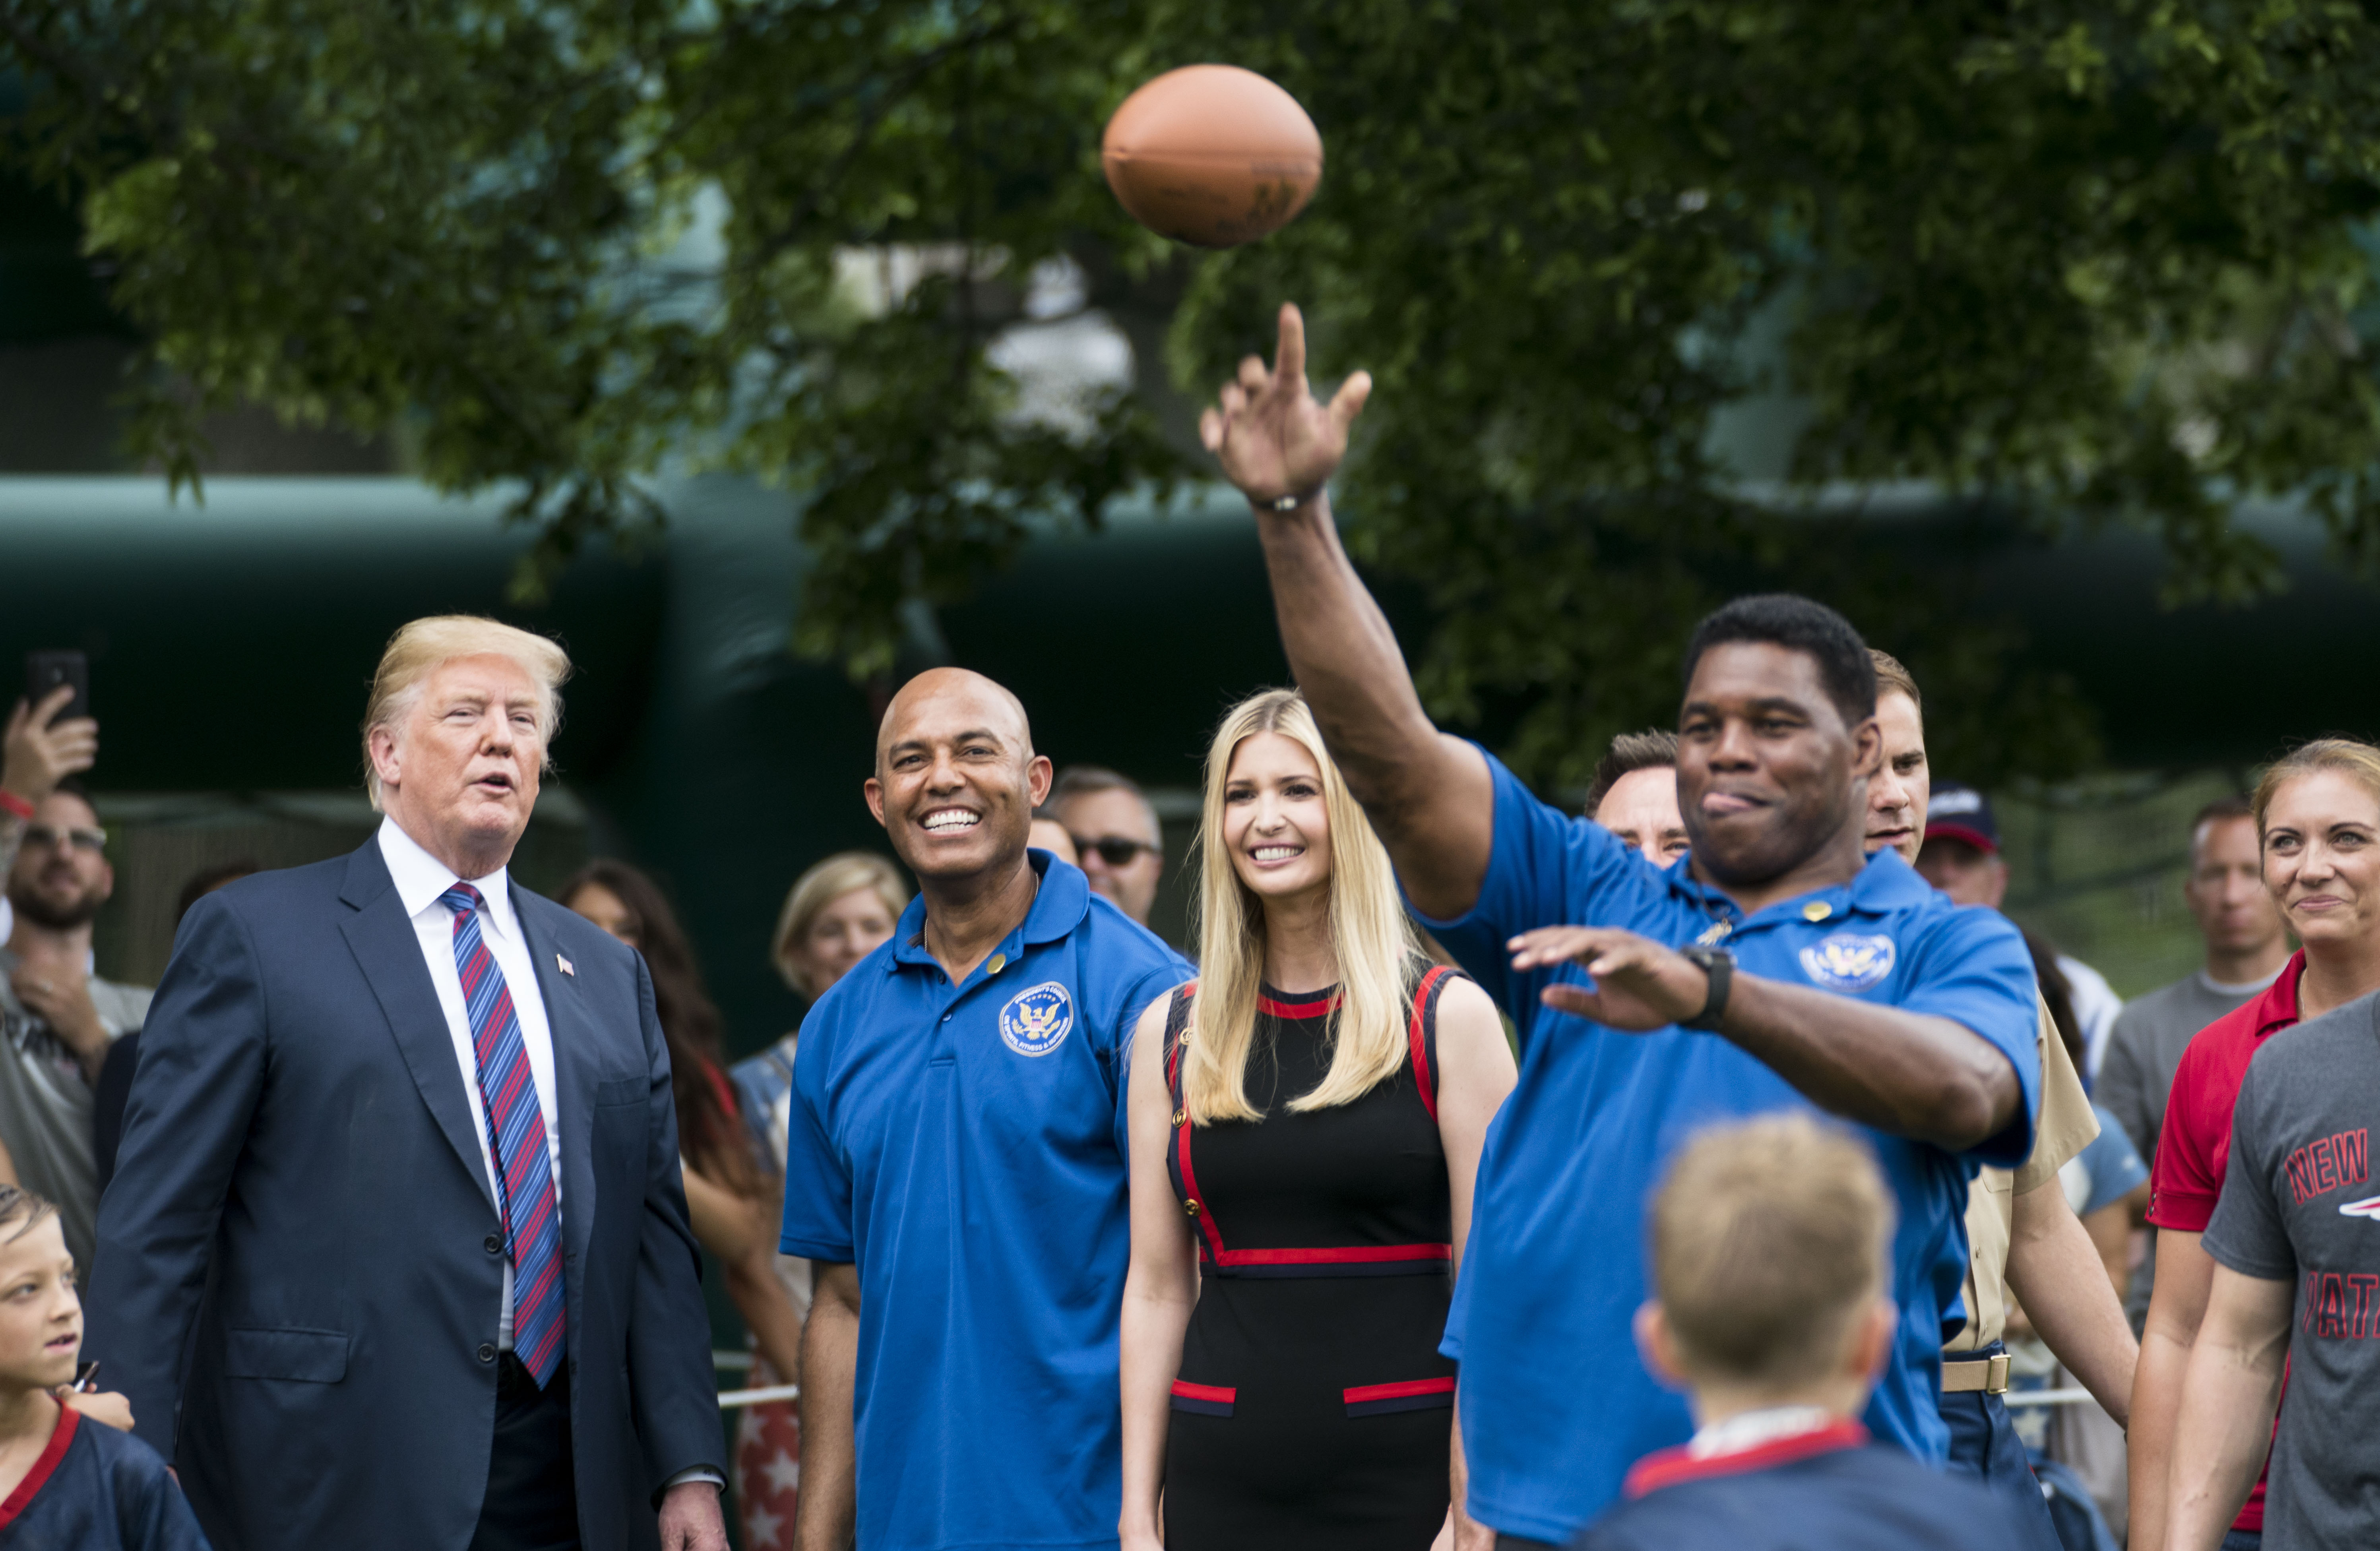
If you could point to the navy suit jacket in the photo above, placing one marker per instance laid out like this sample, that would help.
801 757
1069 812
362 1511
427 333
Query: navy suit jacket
300 1273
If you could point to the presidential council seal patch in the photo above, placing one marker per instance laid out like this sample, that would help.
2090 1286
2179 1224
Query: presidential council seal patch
1035 1021
1849 960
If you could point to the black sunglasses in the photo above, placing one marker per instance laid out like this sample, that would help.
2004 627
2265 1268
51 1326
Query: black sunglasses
1114 849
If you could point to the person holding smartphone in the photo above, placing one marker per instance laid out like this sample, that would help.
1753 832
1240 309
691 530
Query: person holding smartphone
40 748
58 1019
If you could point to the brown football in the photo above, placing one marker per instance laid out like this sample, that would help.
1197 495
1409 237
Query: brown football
1212 154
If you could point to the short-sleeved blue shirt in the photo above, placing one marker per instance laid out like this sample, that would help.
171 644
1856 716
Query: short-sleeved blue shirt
1556 1402
965 1146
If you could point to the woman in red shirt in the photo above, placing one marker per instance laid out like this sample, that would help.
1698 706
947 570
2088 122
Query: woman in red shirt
2318 815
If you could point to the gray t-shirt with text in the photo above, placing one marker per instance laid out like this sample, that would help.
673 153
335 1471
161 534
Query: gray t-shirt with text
2298 1204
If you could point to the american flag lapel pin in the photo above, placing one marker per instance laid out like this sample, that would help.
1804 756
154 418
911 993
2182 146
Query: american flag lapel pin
564 964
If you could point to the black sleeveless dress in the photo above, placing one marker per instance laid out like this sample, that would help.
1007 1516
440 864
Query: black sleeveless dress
1313 1409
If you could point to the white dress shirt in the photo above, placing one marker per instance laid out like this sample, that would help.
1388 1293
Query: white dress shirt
421 878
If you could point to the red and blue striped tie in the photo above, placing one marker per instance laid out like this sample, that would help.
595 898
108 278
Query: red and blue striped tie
517 1136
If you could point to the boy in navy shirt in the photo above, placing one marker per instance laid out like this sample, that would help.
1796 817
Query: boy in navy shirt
65 1480
1769 1243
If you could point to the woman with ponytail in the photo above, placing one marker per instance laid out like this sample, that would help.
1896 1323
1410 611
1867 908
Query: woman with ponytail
1306 1121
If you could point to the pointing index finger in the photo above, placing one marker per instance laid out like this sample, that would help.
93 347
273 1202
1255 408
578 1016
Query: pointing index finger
1289 361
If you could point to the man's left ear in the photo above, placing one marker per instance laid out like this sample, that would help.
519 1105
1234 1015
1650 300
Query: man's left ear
1867 748
1039 774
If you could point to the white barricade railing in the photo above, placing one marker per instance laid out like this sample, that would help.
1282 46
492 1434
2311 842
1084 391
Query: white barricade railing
741 1362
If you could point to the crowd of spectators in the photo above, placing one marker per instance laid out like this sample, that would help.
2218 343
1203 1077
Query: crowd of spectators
71 1042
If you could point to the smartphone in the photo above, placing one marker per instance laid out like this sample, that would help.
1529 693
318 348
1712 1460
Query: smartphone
45 670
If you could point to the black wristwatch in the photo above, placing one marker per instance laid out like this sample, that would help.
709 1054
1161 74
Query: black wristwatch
1719 964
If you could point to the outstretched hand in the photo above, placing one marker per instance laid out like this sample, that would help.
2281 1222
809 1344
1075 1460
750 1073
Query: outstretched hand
1269 431
1639 985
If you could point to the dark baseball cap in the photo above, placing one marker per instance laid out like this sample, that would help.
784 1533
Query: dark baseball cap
1962 813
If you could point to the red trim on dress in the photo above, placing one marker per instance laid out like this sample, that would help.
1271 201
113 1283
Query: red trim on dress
1668 1467
52 1452
1210 1237
1299 1011
1417 1035
1221 1394
1398 1392
1348 1255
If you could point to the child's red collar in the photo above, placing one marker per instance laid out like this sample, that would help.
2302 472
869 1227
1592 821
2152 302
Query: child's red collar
1668 1467
52 1452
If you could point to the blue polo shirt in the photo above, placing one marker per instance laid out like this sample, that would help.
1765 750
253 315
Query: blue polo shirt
963 1146
1556 1402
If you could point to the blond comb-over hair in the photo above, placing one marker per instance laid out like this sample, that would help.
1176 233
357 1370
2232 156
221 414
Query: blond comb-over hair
421 647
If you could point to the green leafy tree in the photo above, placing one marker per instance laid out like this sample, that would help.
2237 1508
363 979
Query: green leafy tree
2069 265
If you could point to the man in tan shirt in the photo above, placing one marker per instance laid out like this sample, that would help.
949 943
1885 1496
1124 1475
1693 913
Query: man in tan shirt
2021 1231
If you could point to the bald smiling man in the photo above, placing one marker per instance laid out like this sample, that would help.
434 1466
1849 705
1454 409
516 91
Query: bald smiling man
955 1166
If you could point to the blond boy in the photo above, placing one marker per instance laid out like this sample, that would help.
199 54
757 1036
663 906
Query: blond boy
1770 1244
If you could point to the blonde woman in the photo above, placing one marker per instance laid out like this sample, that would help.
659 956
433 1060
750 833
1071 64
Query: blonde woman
2317 812
838 913
1305 1121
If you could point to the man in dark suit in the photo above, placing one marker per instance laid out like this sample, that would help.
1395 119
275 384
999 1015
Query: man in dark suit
396 1252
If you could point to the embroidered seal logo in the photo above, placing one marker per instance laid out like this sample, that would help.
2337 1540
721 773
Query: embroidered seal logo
1035 1021
1849 962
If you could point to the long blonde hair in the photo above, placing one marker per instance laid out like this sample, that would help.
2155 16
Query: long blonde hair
1369 938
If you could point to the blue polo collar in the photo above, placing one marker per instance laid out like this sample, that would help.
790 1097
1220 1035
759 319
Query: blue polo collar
1059 906
1886 885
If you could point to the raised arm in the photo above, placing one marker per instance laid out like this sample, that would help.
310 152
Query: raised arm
1158 1290
1428 795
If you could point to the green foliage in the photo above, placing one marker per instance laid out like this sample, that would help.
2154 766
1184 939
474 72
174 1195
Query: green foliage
2073 264
2079 264
496 226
